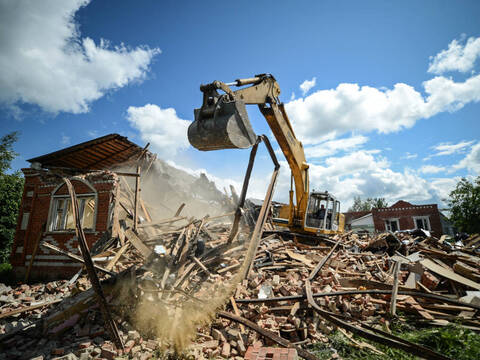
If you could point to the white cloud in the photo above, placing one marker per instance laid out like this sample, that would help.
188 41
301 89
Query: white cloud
44 60
65 139
442 187
331 147
166 132
409 156
357 173
449 149
457 57
350 107
431 169
471 162
307 85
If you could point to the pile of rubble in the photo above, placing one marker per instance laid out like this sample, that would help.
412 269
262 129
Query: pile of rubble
191 285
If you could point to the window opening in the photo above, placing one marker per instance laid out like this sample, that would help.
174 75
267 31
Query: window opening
62 218
422 222
392 225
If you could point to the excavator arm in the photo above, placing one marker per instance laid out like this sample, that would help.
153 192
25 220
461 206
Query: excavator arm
222 122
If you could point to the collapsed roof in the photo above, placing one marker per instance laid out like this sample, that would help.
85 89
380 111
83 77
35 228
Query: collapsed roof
96 154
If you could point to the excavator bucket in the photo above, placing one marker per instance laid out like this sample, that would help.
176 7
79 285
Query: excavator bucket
222 126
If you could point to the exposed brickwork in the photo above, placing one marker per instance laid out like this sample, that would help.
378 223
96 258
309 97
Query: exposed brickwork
263 353
405 213
36 200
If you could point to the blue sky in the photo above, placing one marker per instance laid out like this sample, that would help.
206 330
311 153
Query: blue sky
384 96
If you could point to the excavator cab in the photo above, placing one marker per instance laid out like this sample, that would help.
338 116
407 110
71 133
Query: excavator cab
323 213
222 122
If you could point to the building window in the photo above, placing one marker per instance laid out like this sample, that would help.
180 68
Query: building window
62 213
422 222
392 225
24 223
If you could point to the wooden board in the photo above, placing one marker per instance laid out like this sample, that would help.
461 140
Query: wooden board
449 274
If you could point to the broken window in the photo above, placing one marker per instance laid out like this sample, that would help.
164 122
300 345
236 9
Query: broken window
392 225
62 213
422 222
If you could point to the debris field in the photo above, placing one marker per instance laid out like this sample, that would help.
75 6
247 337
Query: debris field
220 287
179 286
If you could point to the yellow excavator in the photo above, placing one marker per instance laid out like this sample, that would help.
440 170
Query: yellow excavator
222 123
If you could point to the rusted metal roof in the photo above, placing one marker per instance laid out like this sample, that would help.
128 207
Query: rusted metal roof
96 154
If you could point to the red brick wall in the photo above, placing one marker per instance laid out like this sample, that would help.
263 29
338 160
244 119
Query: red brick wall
405 217
49 264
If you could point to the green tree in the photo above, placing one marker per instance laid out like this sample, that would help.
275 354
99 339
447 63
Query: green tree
464 205
11 188
367 204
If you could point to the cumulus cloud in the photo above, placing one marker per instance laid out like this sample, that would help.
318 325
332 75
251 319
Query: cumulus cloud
470 162
307 85
431 169
458 57
45 61
162 128
351 107
359 173
331 147
442 187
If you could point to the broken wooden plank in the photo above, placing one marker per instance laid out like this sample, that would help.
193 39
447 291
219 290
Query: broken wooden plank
34 253
449 274
28 308
92 275
138 244
135 204
237 312
200 264
74 257
163 222
117 256
180 208
393 302
302 258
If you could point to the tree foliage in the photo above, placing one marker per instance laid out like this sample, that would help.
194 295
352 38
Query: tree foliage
11 188
464 205
367 204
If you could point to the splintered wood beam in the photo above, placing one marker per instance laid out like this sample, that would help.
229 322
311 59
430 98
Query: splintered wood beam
28 308
34 253
74 257
180 208
393 302
138 244
135 207
92 275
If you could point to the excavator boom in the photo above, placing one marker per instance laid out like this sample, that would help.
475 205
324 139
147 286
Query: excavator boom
222 123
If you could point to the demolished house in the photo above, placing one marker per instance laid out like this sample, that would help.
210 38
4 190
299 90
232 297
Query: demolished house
167 274
97 169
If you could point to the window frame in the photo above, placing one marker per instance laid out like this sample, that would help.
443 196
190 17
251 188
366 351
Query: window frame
423 218
387 224
52 213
